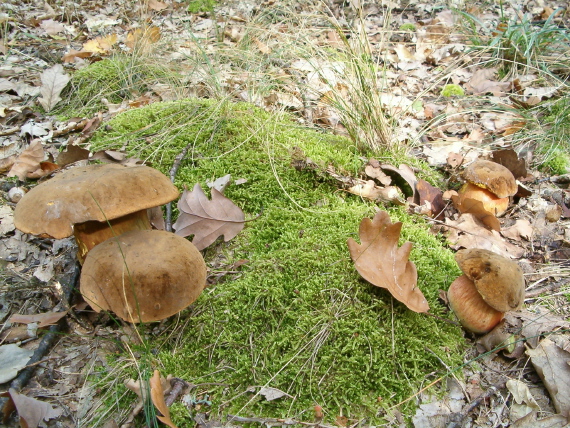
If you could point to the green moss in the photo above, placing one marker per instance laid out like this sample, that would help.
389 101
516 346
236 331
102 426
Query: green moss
407 27
452 90
557 162
298 317
201 6
116 79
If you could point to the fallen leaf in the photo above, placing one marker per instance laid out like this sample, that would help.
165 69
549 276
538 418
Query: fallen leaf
28 161
552 365
43 320
433 195
207 219
142 38
369 190
271 394
406 173
157 5
481 83
468 232
72 154
45 168
32 412
510 160
100 45
157 397
6 219
373 170
12 360
53 81
52 27
454 159
521 229
538 322
221 183
524 401
381 262
530 421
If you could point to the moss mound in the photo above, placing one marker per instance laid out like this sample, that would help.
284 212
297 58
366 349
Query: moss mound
297 317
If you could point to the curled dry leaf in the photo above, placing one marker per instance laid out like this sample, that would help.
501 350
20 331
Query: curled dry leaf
32 412
381 262
157 396
29 161
207 219
43 320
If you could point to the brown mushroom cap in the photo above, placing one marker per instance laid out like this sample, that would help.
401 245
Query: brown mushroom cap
160 275
491 176
500 281
94 192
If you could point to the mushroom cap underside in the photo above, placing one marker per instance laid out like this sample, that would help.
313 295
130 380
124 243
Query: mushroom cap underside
94 192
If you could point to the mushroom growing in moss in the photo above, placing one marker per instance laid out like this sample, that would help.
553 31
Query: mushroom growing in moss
143 275
491 285
488 182
83 201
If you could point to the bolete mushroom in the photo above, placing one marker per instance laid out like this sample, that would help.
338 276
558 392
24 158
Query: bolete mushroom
491 285
83 201
143 275
488 182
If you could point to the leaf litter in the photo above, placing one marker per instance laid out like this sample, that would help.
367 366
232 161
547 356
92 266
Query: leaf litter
435 45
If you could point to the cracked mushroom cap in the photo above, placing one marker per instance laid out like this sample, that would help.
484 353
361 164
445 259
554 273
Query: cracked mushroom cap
160 275
492 176
94 192
500 281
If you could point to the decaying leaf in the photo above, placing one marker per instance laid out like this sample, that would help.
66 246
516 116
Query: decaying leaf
469 232
552 365
12 360
28 161
381 262
43 320
433 195
369 190
510 160
32 412
53 81
207 219
157 397
521 229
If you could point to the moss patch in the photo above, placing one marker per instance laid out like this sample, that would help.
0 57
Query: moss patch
297 317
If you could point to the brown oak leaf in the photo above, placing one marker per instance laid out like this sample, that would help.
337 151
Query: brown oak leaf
380 261
207 219
157 396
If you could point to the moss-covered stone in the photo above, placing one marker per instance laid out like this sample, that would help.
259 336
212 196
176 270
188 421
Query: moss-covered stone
298 317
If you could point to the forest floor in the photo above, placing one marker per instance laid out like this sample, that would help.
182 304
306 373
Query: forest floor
435 85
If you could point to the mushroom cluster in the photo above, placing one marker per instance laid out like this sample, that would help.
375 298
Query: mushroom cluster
491 183
140 274
490 286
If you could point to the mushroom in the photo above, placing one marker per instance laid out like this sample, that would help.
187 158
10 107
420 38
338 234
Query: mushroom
488 182
143 275
491 285
93 203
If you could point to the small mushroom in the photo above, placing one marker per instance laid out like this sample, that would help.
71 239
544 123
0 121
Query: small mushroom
143 275
491 285
83 201
491 183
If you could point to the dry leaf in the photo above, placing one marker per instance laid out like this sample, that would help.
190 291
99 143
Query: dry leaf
12 360
468 232
373 170
406 173
369 190
207 219
157 5
521 229
43 320
29 160
552 365
157 397
510 160
72 154
432 195
381 262
32 412
482 82
143 38
53 81
100 45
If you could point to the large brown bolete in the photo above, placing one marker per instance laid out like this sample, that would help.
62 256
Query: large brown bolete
143 275
84 200
491 285
488 182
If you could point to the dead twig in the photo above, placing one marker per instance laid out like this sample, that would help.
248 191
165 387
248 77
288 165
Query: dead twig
555 286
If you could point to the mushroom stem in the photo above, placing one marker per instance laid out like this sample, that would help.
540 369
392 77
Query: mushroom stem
91 233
